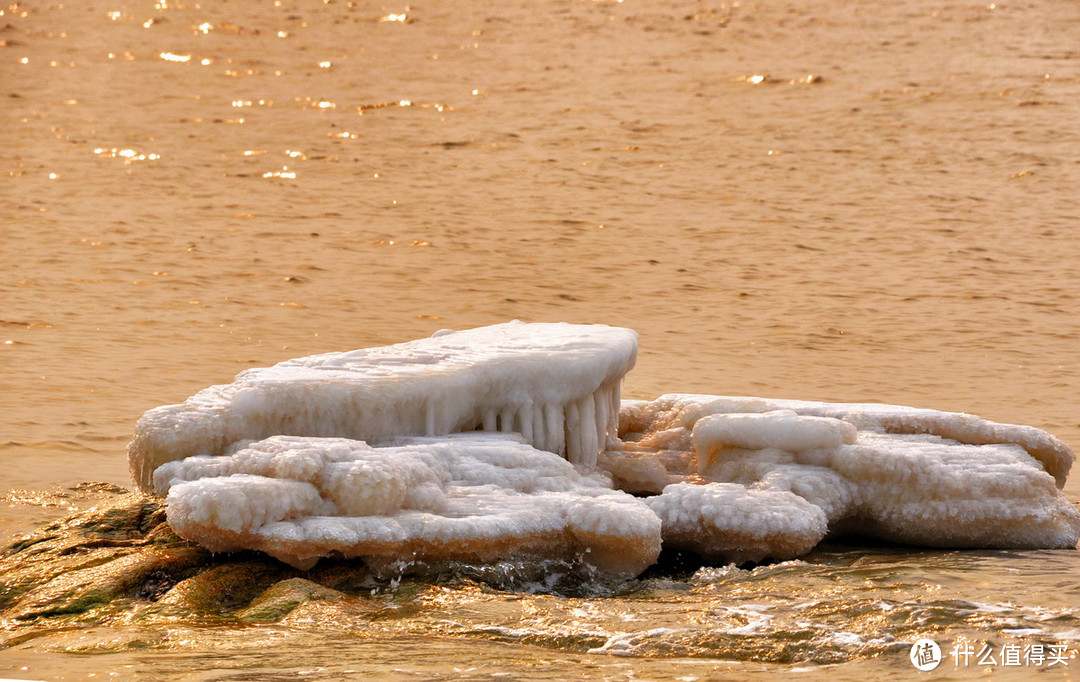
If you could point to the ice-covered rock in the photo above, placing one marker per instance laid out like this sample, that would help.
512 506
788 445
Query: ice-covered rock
506 441
720 440
667 423
470 497
555 384
776 475
729 522
637 473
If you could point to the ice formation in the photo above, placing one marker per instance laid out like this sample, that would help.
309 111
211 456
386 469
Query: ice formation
555 384
469 497
732 523
511 440
670 418
773 477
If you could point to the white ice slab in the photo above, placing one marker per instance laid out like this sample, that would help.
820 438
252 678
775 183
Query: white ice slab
494 442
672 417
556 384
470 497
766 477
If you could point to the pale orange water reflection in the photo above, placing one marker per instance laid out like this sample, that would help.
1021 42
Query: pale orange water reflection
814 200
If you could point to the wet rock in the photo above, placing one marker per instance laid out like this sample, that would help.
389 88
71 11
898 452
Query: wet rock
118 578
93 558
123 557
283 597
227 587
343 575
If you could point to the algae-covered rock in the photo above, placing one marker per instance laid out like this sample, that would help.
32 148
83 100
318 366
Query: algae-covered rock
344 576
118 578
121 549
227 587
282 597
123 557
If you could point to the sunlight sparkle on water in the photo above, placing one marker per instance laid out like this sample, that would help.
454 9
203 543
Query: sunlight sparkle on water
171 57
284 173
128 155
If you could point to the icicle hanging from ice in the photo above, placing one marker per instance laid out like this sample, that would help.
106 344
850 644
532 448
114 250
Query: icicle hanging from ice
556 384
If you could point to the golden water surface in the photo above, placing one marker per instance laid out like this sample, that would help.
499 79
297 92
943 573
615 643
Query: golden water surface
806 199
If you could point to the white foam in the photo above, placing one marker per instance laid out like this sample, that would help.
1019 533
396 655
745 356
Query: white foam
631 643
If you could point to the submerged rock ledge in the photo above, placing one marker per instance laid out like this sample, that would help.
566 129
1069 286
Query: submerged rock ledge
511 441
122 560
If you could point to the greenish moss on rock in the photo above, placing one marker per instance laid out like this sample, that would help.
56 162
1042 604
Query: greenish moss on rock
119 578
94 558
225 588
122 557
281 598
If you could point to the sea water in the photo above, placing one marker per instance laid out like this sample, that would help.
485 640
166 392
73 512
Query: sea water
814 200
